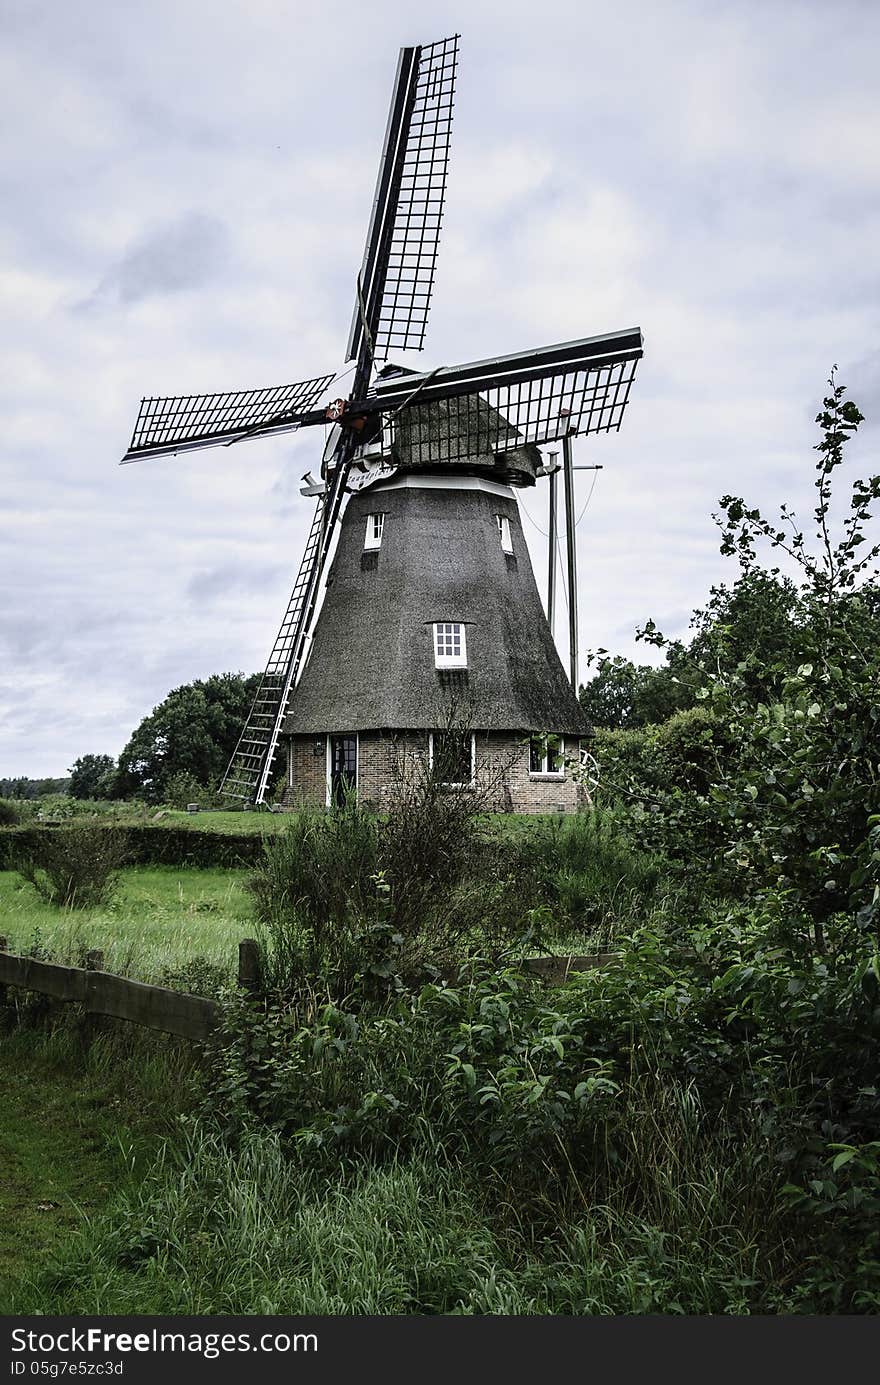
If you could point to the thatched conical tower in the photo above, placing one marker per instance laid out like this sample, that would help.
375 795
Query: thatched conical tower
432 635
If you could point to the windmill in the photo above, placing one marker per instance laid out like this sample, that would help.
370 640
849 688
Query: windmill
441 448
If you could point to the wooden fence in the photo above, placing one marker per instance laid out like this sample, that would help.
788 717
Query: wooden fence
102 993
175 1012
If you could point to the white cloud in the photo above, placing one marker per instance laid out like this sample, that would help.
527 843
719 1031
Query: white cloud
203 181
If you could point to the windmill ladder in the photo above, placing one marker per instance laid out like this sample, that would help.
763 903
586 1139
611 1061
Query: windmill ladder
247 775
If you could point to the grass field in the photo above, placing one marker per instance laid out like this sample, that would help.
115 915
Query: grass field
162 918
254 824
58 1164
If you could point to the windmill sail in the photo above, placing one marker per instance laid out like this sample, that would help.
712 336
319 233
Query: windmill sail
489 407
397 275
180 423
394 291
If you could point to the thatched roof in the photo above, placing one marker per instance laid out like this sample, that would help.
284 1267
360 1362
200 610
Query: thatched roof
371 665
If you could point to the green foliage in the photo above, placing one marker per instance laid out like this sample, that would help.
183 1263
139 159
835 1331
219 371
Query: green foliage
776 788
26 789
10 812
623 695
144 844
843 1195
183 788
798 797
659 778
592 882
215 1229
91 776
76 866
194 731
348 894
314 892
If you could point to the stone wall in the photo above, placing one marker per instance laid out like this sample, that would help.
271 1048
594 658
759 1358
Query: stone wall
384 761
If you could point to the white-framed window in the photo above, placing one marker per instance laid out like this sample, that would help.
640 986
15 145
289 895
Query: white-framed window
452 757
450 645
504 532
375 529
546 756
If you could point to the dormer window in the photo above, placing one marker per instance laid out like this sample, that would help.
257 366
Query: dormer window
504 533
375 527
450 645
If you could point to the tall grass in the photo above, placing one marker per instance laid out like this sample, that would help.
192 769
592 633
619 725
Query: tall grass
215 1229
594 884
161 919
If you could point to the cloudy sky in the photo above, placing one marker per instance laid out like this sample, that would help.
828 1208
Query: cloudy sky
185 192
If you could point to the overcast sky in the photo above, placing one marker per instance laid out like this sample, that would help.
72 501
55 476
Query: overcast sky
185 192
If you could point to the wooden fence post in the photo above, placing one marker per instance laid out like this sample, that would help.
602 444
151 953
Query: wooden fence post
249 970
4 946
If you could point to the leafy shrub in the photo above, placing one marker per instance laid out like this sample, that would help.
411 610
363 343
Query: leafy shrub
197 976
593 880
348 894
10 813
75 866
842 1198
183 788
314 892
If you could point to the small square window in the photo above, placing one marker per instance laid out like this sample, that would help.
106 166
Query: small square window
375 529
546 755
504 533
450 645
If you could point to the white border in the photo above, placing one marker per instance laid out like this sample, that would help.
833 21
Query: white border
414 481
555 776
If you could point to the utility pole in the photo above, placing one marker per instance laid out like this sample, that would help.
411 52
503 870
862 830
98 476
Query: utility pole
551 566
568 472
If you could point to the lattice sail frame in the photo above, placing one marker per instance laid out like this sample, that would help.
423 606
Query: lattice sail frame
400 259
528 399
184 422
500 420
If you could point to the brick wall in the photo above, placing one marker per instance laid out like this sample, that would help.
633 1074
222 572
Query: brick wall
502 771
306 772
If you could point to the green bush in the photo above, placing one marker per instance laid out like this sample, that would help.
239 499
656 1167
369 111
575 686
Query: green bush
315 892
10 813
146 844
76 866
348 894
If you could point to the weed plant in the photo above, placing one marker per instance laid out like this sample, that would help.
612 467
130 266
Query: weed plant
75 866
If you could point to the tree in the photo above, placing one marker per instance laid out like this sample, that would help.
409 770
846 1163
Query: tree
624 696
798 690
193 731
90 776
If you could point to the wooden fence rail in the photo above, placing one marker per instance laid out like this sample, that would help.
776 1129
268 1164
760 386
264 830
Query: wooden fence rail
102 993
175 1012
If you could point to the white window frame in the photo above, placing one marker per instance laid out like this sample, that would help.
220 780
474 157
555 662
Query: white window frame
374 532
544 772
449 784
448 631
504 532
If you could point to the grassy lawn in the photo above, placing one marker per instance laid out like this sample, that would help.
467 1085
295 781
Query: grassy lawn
162 917
63 1157
254 824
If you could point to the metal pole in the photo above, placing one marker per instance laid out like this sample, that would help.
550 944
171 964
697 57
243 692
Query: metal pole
551 565
568 466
